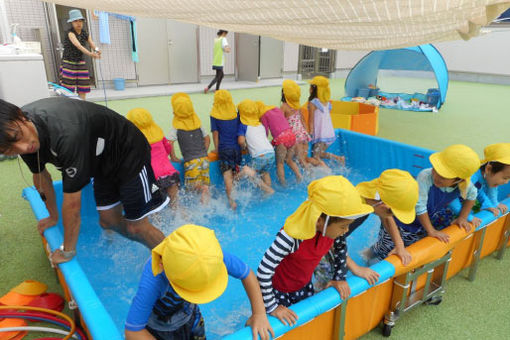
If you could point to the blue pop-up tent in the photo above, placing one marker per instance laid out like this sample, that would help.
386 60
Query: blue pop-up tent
419 58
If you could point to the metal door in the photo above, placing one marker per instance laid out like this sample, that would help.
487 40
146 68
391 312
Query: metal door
183 52
271 58
153 65
247 56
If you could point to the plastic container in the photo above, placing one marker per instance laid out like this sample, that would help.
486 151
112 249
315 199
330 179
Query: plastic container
433 97
119 84
364 92
373 92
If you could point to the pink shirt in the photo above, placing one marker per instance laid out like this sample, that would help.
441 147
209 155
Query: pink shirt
274 120
161 165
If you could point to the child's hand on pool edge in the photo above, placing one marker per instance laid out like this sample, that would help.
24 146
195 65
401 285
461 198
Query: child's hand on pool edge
503 208
403 254
260 326
342 287
285 315
463 223
440 236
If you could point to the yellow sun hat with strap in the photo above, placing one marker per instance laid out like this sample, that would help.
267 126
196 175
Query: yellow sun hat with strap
185 117
263 108
223 106
192 259
144 122
397 189
456 161
323 90
331 195
292 93
249 112
499 152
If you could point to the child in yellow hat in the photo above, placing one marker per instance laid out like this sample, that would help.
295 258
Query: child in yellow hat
167 178
252 136
320 124
495 171
286 270
193 141
291 107
392 196
187 269
284 140
448 179
224 127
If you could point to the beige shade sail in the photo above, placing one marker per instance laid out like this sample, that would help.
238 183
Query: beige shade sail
340 24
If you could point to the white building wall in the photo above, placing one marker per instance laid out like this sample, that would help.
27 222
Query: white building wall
488 54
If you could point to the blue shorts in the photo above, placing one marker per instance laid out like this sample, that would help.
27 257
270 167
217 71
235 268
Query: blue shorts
230 159
193 329
263 163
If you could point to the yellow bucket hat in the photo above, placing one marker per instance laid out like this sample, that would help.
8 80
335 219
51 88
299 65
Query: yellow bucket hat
144 122
292 93
223 106
456 161
193 263
185 117
249 112
323 90
263 108
499 152
397 189
331 195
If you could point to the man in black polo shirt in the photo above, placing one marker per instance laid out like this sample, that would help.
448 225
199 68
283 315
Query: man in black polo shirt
85 140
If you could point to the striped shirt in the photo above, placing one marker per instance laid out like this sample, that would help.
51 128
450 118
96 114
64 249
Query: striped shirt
282 247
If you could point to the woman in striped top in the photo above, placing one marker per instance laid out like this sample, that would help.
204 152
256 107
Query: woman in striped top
286 269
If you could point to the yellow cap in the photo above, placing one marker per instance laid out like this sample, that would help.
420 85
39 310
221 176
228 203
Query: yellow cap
263 108
185 117
331 195
249 112
397 189
143 121
323 90
456 161
292 93
499 152
223 106
193 262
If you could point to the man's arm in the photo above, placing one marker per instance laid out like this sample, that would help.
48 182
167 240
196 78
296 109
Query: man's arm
44 185
71 220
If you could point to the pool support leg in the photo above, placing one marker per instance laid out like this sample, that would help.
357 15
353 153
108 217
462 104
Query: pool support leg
476 254
505 238
403 300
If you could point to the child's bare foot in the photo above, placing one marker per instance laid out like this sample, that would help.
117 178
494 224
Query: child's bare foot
269 192
232 203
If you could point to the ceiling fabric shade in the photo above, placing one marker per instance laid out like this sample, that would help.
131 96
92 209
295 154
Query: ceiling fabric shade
340 24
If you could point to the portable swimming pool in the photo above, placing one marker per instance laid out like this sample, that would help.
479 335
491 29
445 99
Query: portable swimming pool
103 278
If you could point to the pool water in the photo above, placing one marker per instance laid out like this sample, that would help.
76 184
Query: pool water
114 264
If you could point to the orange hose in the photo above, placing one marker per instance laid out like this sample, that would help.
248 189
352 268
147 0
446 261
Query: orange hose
49 311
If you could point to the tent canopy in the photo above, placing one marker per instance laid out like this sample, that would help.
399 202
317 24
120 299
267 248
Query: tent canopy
333 24
419 58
